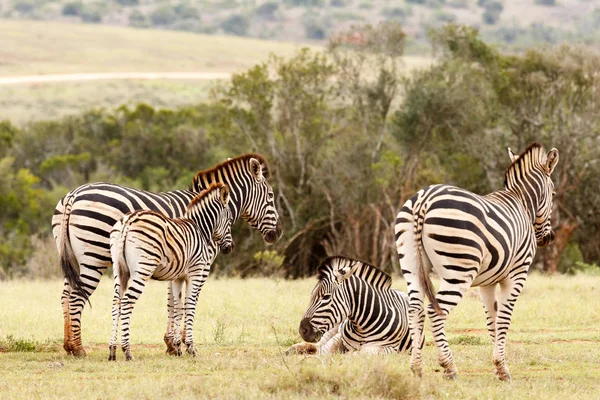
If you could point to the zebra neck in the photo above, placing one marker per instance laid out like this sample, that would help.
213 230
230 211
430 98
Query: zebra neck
238 193
519 194
203 222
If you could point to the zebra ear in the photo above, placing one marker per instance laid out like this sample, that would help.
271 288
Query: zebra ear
224 195
344 270
551 160
256 169
513 156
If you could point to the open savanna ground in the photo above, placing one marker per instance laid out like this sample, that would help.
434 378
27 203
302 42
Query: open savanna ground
47 48
243 326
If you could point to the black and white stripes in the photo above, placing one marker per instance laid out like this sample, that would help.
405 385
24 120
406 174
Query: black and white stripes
355 309
83 220
147 245
471 240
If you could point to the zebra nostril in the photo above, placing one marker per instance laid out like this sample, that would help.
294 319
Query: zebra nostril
306 330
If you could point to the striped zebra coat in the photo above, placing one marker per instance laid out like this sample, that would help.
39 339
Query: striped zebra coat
84 218
471 240
147 245
355 309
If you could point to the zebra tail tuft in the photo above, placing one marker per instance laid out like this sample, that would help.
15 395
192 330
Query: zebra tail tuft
68 261
422 275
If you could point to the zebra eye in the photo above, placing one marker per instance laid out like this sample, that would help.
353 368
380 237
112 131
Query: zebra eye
270 195
553 193
326 297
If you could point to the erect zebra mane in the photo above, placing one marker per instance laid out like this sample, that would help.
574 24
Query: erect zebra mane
326 269
534 152
205 175
210 193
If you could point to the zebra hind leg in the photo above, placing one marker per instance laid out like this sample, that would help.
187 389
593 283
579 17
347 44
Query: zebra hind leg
510 289
177 315
68 329
169 337
416 315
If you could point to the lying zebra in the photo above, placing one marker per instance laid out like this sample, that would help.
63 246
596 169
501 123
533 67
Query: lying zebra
146 244
355 308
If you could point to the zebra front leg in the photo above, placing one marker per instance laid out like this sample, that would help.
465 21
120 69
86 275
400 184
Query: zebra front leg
193 288
312 348
510 289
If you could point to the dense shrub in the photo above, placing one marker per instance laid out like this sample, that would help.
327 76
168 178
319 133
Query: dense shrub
235 24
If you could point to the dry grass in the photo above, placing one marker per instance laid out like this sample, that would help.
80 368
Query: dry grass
243 325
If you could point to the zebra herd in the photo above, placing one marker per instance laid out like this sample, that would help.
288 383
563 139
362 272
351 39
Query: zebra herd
467 239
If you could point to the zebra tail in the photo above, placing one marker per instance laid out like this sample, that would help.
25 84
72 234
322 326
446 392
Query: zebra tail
119 260
68 261
422 275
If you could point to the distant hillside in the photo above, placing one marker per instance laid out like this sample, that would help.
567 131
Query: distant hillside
516 22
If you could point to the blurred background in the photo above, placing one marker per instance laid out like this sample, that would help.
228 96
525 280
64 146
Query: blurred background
356 105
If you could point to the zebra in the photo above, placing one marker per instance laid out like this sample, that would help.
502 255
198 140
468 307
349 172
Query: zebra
145 244
84 218
355 309
471 240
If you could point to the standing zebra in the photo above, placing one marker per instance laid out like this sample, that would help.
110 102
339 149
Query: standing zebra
145 244
355 308
472 240
84 218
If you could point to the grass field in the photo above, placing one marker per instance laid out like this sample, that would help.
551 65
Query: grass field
242 327
42 48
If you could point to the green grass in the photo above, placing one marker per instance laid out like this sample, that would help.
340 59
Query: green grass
243 325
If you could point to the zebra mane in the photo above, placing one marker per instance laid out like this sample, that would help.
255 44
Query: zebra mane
365 269
534 153
205 176
209 193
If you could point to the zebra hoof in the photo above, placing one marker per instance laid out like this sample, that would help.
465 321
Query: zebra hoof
417 371
128 357
504 376
112 356
79 352
451 376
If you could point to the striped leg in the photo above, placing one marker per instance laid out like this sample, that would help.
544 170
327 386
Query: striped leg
416 316
177 287
169 335
116 314
448 296
132 294
68 330
488 298
193 288
90 277
510 289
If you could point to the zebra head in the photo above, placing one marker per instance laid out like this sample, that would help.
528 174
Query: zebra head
222 228
529 175
252 196
329 302
260 211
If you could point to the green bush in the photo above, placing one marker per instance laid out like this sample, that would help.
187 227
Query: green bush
314 28
91 14
236 24
545 2
138 19
72 8
163 15
492 11
267 10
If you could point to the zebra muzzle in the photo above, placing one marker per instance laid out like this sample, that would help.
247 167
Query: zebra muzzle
306 331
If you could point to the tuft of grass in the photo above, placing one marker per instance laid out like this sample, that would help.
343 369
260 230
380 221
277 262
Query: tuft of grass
469 340
220 332
11 344
348 377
